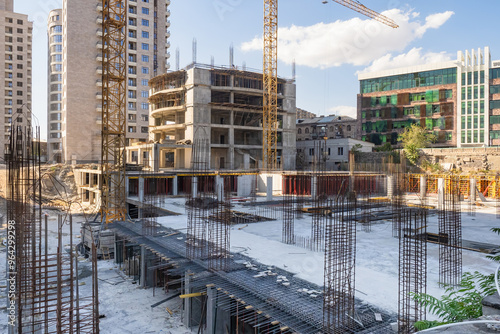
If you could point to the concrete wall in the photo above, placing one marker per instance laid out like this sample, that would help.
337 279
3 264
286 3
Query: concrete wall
466 159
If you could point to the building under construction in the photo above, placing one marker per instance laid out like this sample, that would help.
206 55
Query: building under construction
222 106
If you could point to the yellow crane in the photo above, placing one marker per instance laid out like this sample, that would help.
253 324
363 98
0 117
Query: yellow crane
114 72
270 122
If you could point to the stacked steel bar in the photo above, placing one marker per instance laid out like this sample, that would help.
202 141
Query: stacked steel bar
219 224
340 254
197 203
450 235
412 267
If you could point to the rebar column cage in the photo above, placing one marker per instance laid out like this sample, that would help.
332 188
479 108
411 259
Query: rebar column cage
150 203
340 255
288 231
199 201
45 297
412 267
114 67
219 225
450 235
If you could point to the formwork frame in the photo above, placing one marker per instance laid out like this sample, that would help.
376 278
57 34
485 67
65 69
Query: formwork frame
412 267
339 270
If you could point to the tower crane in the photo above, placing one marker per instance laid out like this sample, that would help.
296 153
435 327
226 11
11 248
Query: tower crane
270 74
114 53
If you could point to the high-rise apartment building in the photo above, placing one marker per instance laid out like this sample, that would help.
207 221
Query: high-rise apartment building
459 101
15 53
147 55
54 96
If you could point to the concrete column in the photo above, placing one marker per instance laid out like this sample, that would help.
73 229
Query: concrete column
140 159
246 161
175 186
314 186
244 185
187 301
143 267
440 193
194 187
155 158
219 187
141 189
390 186
211 305
127 186
472 186
269 190
423 186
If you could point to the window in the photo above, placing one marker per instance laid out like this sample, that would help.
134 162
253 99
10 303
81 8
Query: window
145 22
145 59
19 48
19 84
19 57
132 58
19 93
19 75
145 10
145 70
132 70
144 129
307 130
348 128
145 46
145 94
144 106
132 106
20 39
145 34
145 82
132 22
132 94
299 131
340 151
311 151
20 66
19 30
132 82
19 101
145 0
145 118
131 129
132 34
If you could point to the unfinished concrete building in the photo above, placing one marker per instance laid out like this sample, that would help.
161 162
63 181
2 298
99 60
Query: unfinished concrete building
218 106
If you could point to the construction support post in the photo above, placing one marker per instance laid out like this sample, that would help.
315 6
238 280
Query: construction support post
440 193
314 187
141 197
219 187
472 186
423 187
211 305
269 188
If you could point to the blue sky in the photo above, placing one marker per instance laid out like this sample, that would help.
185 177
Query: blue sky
329 42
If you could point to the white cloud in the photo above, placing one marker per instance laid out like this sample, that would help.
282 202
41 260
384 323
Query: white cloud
411 58
343 111
355 41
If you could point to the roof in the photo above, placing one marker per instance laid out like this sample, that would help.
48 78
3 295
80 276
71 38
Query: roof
325 119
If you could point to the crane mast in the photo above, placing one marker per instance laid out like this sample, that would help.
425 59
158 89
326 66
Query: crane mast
270 74
114 71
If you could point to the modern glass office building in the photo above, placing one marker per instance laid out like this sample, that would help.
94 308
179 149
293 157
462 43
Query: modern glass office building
459 101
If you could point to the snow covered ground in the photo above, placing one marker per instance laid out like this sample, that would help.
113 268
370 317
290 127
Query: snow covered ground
127 308
376 251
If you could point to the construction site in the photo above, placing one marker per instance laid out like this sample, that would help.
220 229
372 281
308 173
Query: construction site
210 229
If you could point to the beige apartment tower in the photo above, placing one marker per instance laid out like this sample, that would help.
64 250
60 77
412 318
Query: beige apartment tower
15 52
147 54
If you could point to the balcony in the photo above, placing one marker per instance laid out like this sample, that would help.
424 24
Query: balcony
98 20
98 83
99 32
99 7
98 95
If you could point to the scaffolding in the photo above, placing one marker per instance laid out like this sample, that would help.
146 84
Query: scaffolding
340 255
450 235
412 267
